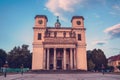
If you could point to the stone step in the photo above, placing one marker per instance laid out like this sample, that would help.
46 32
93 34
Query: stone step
56 71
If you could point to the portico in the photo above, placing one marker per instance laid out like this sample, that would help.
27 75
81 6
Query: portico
59 58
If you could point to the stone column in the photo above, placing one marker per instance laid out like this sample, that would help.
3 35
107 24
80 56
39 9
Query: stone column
71 59
54 59
44 58
48 55
74 58
64 58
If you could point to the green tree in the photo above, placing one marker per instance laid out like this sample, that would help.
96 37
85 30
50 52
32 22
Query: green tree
99 58
19 56
90 64
3 56
95 59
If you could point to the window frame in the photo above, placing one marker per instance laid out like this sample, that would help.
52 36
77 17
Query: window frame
39 37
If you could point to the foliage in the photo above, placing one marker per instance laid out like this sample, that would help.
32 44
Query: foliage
90 63
19 56
3 56
95 59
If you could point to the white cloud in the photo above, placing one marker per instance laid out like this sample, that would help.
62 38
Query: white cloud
59 7
99 42
68 5
115 10
116 7
114 31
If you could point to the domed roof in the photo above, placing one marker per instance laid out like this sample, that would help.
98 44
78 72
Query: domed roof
57 24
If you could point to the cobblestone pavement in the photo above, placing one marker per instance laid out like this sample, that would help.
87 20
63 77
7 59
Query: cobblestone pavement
86 76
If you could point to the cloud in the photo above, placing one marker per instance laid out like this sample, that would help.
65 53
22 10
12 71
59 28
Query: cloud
116 7
59 7
99 42
115 48
113 32
115 10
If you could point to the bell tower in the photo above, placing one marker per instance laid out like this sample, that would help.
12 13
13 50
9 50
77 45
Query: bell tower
78 28
77 22
41 21
39 33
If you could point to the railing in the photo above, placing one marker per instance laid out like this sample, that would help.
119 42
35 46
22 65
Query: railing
60 40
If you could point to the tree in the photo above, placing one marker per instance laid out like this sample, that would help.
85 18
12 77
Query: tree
99 58
19 56
96 58
90 64
3 56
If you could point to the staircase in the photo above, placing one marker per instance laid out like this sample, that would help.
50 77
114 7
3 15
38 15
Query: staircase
57 71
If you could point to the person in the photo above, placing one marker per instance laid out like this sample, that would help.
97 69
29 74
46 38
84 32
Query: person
22 69
103 69
4 71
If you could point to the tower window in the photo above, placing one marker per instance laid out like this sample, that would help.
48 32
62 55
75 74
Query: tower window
39 36
79 37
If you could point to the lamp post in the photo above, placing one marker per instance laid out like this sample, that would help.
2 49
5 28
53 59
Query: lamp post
5 68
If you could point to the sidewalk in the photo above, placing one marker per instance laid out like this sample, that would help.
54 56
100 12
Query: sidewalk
87 76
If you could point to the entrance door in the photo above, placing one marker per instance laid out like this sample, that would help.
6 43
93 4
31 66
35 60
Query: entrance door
59 64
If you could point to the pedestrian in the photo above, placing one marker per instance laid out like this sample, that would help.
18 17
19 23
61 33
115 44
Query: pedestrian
103 69
22 69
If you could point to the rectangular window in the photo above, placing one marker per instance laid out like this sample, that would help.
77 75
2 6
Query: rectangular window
39 36
79 37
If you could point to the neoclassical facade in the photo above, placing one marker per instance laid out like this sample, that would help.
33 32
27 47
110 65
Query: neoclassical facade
59 47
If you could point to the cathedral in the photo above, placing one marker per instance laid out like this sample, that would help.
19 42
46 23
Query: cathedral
57 47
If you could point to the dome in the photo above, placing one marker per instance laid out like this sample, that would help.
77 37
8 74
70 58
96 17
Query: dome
57 24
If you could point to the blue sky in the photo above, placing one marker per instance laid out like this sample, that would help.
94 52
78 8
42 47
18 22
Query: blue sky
102 21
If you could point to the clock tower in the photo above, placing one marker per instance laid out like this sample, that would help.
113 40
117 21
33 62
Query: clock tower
41 21
77 22
39 33
78 28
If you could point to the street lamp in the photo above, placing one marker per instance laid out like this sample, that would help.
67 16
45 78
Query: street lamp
5 68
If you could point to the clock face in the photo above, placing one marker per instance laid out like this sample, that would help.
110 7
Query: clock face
78 22
40 21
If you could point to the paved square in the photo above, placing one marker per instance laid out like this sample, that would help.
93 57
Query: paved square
86 76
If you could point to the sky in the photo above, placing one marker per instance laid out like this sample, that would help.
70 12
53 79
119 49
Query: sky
102 21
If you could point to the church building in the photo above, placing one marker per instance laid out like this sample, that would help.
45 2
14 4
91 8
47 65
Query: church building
57 47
